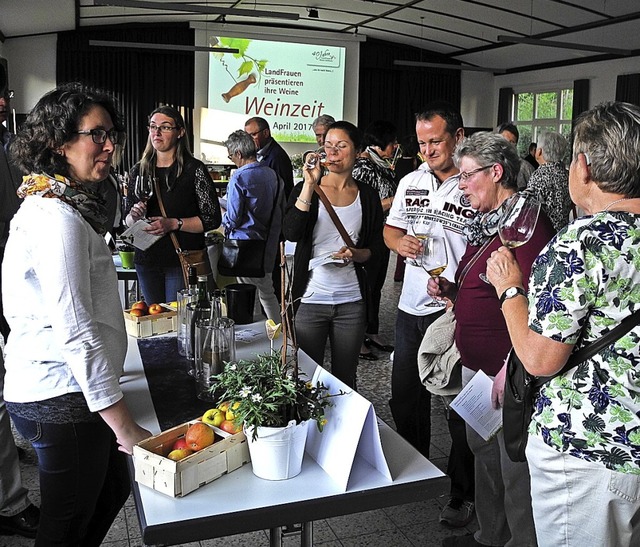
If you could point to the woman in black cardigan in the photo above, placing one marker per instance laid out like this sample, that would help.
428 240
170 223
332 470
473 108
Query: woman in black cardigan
330 278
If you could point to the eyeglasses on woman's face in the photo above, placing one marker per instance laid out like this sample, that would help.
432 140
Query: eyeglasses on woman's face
99 136
153 128
466 175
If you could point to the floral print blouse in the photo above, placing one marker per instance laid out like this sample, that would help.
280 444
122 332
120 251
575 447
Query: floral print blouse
584 282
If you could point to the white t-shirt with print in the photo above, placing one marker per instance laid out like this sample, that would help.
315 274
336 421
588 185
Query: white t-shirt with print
420 194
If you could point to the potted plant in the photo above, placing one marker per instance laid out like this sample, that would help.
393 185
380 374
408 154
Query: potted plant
127 253
272 400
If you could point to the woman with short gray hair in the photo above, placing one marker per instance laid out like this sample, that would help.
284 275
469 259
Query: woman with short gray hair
549 183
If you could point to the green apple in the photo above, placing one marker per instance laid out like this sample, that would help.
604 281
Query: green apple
213 416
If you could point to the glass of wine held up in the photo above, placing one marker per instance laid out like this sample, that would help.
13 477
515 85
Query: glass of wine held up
420 228
144 186
518 223
434 261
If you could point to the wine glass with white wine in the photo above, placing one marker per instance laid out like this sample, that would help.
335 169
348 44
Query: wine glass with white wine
419 227
518 223
434 261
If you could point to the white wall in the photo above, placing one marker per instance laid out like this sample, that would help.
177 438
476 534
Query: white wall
31 67
480 100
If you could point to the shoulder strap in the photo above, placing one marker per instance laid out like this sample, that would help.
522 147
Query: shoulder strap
334 217
595 347
173 236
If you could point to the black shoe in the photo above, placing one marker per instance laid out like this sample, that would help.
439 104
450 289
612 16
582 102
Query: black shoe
369 356
24 524
382 347
22 453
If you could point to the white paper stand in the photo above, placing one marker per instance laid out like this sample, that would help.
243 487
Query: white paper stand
351 430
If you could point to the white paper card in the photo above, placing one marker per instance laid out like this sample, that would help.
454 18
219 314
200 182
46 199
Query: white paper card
138 237
473 404
351 430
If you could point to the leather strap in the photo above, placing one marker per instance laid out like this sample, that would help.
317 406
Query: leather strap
334 216
595 347
173 237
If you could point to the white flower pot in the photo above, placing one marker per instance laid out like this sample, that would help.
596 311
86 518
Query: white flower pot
277 452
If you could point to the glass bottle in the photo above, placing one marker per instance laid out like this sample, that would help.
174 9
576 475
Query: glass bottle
200 311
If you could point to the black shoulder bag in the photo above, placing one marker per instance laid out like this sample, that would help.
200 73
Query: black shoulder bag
521 388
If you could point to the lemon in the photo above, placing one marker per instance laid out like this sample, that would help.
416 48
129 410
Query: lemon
273 330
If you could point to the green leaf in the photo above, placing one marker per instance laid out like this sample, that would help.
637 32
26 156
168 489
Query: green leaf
245 68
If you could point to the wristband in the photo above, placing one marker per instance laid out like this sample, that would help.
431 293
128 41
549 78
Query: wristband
304 201
180 223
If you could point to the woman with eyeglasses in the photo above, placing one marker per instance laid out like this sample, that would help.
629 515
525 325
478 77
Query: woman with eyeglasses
375 167
489 166
67 346
189 198
330 288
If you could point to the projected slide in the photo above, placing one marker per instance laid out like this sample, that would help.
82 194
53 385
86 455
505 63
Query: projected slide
286 83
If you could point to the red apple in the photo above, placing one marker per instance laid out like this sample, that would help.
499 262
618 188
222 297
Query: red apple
230 427
140 305
180 444
155 309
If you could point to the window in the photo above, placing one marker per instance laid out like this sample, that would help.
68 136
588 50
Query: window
535 113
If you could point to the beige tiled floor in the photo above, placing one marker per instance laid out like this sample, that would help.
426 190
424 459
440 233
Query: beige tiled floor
410 525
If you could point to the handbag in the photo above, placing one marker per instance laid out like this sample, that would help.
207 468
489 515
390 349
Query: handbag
439 364
198 258
245 257
521 388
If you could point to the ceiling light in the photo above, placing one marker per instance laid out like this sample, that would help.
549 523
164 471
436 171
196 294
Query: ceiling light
170 47
313 13
562 45
420 64
193 8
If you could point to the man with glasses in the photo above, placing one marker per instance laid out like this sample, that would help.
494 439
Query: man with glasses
320 126
270 152
17 514
429 196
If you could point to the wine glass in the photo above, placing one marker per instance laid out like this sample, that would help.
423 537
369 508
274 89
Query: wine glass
420 228
144 187
518 222
312 157
434 260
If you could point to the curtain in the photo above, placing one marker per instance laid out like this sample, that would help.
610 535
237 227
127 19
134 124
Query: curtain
141 80
628 88
580 99
505 105
396 93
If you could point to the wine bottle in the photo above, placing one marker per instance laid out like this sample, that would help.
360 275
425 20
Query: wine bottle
201 309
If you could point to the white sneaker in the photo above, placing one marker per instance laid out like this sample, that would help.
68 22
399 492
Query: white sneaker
457 512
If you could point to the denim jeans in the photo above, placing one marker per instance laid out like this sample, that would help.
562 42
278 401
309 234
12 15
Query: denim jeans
343 325
410 401
159 284
83 480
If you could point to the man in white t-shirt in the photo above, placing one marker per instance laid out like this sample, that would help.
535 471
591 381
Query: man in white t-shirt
429 195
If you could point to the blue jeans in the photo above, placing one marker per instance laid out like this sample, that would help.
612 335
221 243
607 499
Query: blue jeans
410 401
343 325
159 284
83 480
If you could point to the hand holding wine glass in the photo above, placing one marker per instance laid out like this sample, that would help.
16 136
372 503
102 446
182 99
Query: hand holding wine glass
420 228
143 188
434 260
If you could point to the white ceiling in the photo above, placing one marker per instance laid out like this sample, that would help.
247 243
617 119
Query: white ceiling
463 30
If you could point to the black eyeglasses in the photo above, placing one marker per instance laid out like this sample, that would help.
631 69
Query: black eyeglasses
162 128
99 136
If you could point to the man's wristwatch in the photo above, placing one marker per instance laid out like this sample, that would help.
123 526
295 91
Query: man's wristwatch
180 223
511 292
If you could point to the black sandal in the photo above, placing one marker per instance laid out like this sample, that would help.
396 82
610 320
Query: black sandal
382 347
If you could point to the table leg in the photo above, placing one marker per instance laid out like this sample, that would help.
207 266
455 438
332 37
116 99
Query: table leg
305 530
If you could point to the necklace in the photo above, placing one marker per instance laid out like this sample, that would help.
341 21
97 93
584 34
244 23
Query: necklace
613 203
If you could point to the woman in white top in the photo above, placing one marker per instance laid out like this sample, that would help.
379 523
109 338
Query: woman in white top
67 345
330 288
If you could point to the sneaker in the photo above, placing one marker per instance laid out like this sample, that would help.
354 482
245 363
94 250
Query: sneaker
24 524
457 513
